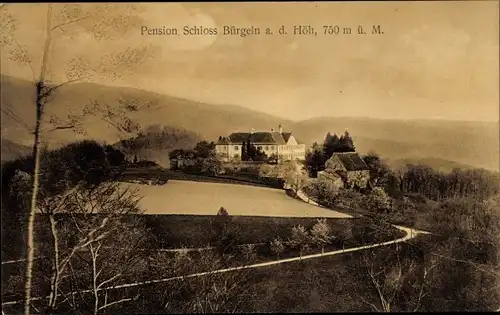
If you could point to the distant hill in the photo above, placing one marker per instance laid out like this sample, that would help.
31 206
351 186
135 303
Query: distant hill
12 150
211 121
436 163
468 143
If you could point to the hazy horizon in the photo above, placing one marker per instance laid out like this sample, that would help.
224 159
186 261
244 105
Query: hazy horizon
291 119
430 63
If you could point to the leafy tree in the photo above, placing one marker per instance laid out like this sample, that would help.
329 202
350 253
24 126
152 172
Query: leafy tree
222 213
244 151
273 159
114 156
294 176
277 247
346 144
300 238
330 145
210 165
379 170
321 234
204 149
323 191
225 238
334 144
252 153
378 201
315 160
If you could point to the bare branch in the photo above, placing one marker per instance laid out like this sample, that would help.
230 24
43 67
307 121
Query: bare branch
109 280
370 304
16 119
24 58
54 88
59 128
70 22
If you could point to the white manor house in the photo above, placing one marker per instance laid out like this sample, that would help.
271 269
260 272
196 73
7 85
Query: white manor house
277 143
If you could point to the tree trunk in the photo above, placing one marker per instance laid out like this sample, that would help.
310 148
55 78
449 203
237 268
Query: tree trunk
56 273
32 214
94 279
36 155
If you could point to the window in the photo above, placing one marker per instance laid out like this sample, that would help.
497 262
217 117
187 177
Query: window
259 147
267 147
236 155
236 147
273 147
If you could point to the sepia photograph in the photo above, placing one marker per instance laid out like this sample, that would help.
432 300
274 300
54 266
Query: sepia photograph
250 157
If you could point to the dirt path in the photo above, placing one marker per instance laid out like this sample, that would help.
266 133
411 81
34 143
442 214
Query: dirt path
410 234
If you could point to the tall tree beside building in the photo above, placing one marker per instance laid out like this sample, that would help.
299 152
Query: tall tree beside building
334 144
315 160
379 170
204 149
252 153
244 151
346 144
330 145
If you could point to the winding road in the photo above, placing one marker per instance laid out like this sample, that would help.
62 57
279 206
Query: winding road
410 234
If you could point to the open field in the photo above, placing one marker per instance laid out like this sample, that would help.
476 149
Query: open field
184 197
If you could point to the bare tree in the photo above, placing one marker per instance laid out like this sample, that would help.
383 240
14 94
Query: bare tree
95 240
217 292
211 293
249 253
391 277
102 21
108 268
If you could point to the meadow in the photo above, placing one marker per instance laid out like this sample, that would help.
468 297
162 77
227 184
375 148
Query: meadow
199 198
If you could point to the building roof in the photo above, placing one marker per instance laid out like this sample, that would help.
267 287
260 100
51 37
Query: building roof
223 140
278 138
286 136
256 137
352 161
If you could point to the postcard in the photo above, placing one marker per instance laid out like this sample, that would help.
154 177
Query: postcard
244 157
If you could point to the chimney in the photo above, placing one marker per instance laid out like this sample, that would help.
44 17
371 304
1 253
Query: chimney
253 131
280 128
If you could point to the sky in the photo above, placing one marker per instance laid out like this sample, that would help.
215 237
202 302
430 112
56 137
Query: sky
435 60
